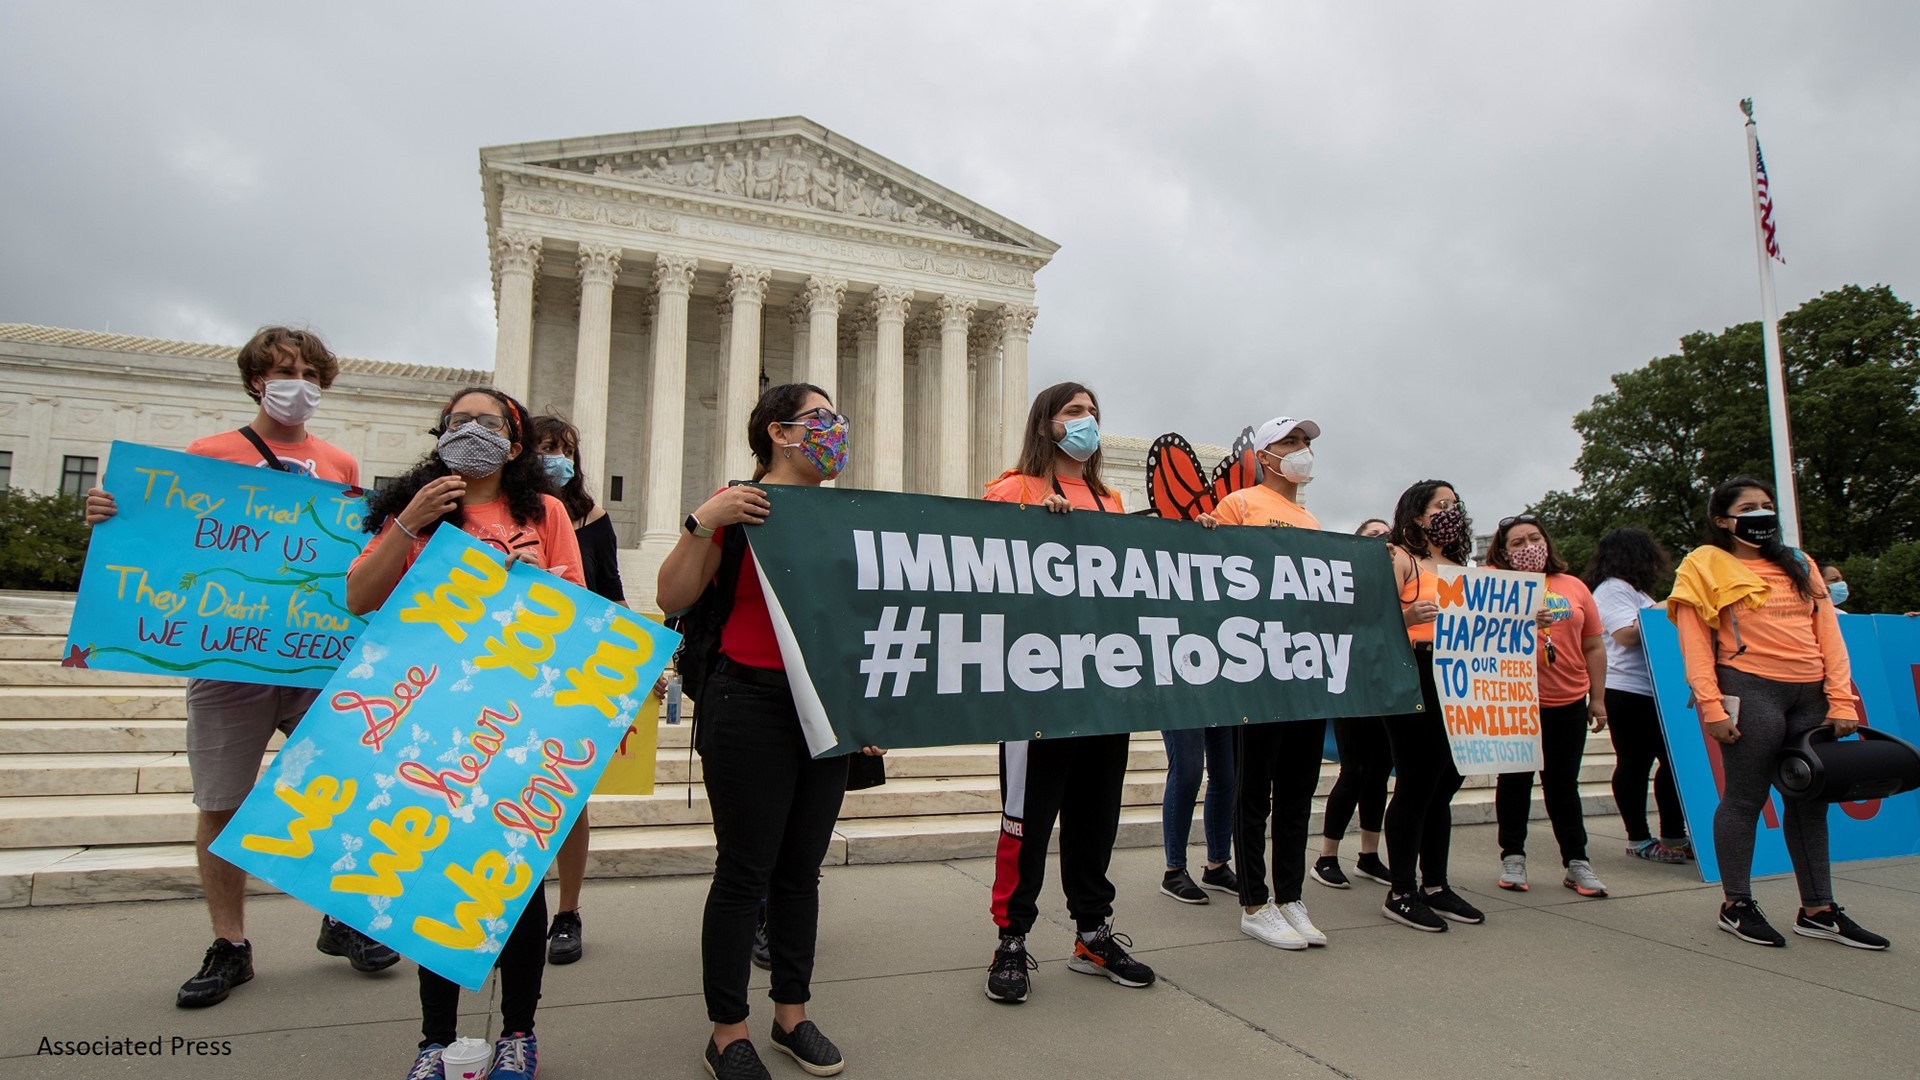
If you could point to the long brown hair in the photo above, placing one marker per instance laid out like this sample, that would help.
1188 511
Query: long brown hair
1038 447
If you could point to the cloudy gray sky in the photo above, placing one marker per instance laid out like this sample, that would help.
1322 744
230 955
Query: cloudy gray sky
1435 228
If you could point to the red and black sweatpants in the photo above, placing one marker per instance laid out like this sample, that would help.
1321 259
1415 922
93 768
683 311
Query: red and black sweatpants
1078 782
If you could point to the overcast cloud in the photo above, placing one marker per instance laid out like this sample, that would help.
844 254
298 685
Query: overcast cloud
1435 228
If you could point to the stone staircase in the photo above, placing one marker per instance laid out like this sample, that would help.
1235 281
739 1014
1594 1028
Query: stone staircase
95 797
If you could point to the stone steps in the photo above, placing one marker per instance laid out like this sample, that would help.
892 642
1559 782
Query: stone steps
32 646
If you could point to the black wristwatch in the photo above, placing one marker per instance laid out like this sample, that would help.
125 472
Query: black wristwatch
700 532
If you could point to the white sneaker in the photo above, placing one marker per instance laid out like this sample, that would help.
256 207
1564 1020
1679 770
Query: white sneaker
1270 926
1296 916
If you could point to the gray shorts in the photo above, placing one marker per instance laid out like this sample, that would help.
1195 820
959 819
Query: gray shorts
228 727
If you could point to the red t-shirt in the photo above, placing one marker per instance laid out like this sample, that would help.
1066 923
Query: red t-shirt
492 524
1576 621
747 638
311 458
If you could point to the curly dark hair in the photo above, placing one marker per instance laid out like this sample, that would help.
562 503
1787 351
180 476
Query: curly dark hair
1787 559
573 494
777 404
1497 547
523 479
1410 537
1633 556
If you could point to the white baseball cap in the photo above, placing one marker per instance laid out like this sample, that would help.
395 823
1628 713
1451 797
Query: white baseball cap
1279 428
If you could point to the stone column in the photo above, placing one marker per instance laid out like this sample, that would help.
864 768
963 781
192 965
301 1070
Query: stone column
666 429
802 324
823 296
517 260
954 459
1016 326
925 332
887 446
740 371
860 396
987 447
599 266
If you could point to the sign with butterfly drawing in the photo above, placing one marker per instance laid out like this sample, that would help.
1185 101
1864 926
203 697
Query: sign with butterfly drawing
424 795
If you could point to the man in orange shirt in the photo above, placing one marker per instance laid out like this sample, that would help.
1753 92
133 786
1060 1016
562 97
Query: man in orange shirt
229 723
1278 764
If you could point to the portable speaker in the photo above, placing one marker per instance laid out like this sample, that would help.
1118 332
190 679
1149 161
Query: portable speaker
1821 768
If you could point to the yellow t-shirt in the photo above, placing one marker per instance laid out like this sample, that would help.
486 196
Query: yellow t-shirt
1261 505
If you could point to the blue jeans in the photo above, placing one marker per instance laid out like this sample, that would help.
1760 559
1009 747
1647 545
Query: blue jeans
1187 750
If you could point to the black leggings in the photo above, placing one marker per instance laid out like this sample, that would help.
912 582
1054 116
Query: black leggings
1634 723
1366 760
1563 740
522 963
1420 814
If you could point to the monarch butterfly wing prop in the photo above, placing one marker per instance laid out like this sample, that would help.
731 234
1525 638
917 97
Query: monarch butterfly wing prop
1238 469
1176 484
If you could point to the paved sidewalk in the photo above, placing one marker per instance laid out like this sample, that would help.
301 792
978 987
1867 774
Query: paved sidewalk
1638 985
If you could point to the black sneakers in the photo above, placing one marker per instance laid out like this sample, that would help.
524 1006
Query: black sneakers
1177 884
1326 870
1220 879
1742 919
1448 905
564 941
1833 925
1408 909
809 1048
1104 955
1369 866
364 953
739 1061
226 966
1007 975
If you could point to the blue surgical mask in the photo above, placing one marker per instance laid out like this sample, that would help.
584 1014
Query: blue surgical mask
1838 592
559 468
1082 439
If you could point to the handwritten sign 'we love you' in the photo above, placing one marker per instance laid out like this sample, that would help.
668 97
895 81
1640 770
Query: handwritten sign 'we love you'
424 795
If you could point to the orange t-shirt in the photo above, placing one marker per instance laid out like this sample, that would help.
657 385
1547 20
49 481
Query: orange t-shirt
1426 586
1576 622
1261 505
1013 487
492 524
1788 640
311 458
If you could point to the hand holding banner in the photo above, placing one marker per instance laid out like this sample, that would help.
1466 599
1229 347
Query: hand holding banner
1486 667
218 571
427 790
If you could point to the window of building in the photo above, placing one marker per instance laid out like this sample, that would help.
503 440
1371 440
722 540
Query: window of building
617 487
6 469
77 474
381 483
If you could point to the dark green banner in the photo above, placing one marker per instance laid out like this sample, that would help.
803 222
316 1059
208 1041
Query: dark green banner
912 620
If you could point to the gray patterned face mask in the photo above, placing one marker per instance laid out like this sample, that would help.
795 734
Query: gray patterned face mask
473 451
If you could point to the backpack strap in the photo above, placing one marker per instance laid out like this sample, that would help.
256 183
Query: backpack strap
266 454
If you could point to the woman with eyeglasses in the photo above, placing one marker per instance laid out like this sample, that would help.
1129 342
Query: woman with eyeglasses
1079 780
1627 568
1572 665
1366 761
484 478
773 803
1430 530
1767 666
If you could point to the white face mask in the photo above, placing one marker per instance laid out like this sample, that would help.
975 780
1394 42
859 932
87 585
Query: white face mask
1297 466
290 401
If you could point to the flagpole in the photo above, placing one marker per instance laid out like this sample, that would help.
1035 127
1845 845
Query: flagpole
1786 500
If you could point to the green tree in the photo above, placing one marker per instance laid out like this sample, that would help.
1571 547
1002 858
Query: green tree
1656 446
43 541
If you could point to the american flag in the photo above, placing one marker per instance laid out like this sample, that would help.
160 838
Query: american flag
1765 197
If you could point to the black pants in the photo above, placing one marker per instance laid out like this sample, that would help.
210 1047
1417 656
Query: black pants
1366 761
1420 814
1563 740
1633 721
773 813
1077 782
522 963
1277 766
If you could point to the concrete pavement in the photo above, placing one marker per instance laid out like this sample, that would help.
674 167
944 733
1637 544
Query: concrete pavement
1637 985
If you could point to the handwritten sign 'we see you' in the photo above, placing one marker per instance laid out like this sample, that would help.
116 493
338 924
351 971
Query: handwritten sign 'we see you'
423 796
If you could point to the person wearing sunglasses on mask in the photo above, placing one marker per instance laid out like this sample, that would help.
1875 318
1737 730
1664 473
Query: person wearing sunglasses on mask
773 803
1573 684
484 478
1766 664
1076 781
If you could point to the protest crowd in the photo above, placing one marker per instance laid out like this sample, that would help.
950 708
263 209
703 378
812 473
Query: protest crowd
1756 620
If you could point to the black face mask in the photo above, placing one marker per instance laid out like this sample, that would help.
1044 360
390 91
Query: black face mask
1760 528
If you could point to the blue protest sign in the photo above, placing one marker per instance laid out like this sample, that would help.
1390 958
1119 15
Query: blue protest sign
218 571
423 796
1885 654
